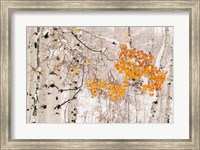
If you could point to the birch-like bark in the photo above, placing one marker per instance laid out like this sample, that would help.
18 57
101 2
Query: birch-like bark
34 72
31 61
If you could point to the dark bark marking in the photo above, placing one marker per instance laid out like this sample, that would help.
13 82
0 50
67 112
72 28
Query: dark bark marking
52 86
35 111
156 102
168 120
35 44
57 107
38 77
53 73
129 35
44 106
61 90
46 35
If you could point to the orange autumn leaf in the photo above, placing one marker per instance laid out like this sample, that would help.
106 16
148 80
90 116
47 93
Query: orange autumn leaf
151 94
76 30
88 62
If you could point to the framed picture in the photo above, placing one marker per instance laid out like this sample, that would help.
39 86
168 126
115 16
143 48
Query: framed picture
100 74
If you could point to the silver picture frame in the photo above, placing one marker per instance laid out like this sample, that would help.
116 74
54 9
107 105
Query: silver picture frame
11 6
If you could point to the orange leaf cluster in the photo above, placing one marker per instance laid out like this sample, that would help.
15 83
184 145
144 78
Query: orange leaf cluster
135 64
115 90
